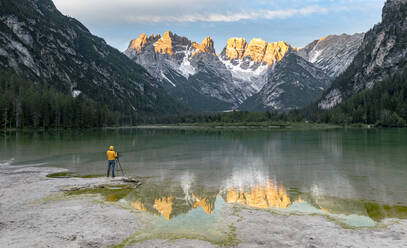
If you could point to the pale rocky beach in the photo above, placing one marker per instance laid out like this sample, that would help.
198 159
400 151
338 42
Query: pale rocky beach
34 212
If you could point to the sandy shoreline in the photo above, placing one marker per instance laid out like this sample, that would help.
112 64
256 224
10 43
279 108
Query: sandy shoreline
34 213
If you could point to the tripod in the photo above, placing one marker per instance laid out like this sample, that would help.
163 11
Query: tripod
120 167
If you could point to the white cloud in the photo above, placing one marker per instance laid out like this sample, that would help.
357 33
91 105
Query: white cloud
123 9
154 11
228 17
146 11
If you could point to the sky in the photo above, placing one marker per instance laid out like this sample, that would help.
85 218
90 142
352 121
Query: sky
297 22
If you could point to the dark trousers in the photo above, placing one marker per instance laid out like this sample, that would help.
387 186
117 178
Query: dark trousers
111 164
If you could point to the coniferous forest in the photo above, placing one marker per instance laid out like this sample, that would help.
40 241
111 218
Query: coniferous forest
24 103
383 105
27 104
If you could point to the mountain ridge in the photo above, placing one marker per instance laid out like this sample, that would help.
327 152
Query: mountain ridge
332 53
38 41
293 83
242 68
382 53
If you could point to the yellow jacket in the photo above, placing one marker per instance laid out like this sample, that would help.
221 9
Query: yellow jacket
111 154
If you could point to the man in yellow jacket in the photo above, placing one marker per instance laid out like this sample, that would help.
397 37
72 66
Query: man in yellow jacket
111 160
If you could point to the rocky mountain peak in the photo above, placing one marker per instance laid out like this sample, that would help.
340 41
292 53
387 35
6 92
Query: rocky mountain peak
164 44
332 53
207 47
276 51
168 35
322 39
257 50
142 41
235 48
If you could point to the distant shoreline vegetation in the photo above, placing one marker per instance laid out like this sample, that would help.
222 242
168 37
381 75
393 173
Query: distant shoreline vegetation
25 104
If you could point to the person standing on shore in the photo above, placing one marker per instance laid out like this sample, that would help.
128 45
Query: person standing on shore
111 160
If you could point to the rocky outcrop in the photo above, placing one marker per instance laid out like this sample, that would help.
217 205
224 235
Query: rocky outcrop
235 48
258 50
38 42
276 51
206 47
382 53
142 41
333 53
164 44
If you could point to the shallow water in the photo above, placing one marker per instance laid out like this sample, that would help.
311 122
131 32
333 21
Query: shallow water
329 172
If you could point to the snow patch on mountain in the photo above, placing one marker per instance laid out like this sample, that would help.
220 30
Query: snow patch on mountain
168 80
248 75
315 56
331 100
185 68
76 93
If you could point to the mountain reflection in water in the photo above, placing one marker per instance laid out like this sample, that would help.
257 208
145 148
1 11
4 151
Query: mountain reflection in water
171 199
260 196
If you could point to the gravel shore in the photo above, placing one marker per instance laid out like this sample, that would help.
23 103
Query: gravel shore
35 213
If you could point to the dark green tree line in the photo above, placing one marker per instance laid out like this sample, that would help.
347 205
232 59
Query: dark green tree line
24 103
384 105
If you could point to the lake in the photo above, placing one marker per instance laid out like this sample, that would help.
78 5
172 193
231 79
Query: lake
357 176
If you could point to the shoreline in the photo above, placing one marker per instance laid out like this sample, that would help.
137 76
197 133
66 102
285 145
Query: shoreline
293 126
234 127
35 212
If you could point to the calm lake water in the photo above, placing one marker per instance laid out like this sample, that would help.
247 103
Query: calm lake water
350 174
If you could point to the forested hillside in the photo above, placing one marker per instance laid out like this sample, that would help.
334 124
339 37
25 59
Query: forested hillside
385 104
63 59
24 103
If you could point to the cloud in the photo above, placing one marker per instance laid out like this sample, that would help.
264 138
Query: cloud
229 17
112 9
145 11
209 11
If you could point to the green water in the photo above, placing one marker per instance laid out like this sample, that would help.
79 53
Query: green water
333 172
